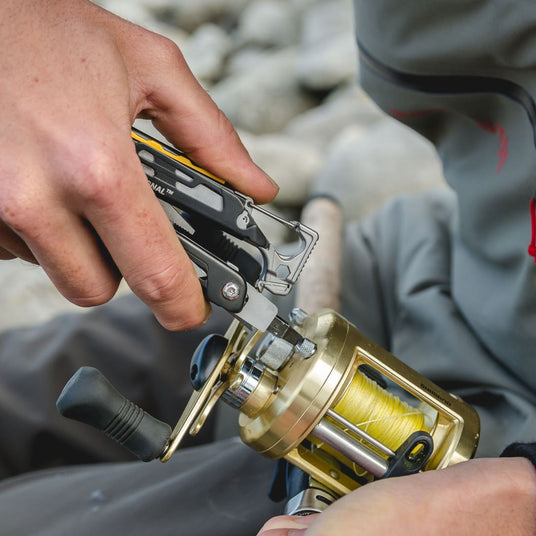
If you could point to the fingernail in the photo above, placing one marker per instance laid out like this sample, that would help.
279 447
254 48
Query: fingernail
269 178
296 532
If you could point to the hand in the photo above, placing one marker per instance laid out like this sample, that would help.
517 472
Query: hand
74 197
485 497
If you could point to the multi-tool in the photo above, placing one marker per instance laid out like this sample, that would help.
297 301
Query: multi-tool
311 390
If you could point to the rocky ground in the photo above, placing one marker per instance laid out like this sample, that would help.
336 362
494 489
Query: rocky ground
284 72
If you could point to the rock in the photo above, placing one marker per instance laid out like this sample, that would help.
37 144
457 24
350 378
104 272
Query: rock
265 98
29 298
364 168
300 7
135 12
206 52
190 14
245 60
292 163
142 14
328 51
267 23
341 109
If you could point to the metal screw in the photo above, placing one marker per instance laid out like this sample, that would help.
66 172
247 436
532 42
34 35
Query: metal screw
297 316
306 348
231 291
334 474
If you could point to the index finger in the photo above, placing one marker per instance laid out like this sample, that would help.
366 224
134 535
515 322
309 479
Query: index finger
135 230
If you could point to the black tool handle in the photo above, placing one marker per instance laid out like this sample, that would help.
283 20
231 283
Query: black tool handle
90 398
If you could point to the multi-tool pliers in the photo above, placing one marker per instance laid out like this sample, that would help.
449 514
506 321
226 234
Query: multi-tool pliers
220 230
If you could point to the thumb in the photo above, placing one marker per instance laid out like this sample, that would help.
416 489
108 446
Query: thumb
186 115
287 525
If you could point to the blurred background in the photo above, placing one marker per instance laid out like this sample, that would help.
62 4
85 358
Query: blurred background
285 72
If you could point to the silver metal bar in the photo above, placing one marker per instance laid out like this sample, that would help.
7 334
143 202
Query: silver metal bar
309 501
360 433
333 436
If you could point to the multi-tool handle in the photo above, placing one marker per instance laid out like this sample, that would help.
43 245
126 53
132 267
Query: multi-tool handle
175 179
204 206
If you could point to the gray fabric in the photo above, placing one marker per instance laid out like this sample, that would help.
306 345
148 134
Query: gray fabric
217 489
492 279
397 291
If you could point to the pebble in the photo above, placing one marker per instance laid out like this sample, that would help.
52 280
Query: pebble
267 23
292 163
190 14
206 52
365 167
328 55
345 107
265 98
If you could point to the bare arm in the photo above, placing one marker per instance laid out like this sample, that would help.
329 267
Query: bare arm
74 198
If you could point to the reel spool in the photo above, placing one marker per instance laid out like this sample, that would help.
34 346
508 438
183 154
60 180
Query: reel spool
337 415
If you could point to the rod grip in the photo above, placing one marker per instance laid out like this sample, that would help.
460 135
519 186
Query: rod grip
90 398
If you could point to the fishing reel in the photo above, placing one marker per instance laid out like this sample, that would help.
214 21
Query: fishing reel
345 411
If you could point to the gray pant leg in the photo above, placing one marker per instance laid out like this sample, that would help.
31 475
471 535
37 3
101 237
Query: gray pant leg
146 363
212 490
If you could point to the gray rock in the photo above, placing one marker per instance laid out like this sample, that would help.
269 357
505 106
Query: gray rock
300 7
190 14
265 98
245 60
364 168
135 12
206 52
292 163
322 124
267 23
328 52
141 13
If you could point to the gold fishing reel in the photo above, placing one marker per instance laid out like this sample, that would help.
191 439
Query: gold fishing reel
347 414
340 408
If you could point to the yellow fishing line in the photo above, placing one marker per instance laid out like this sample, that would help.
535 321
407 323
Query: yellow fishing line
380 413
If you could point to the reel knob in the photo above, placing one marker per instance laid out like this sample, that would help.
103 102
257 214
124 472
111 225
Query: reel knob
205 358
90 398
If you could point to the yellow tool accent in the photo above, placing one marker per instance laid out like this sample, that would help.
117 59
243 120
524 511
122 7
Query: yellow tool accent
179 158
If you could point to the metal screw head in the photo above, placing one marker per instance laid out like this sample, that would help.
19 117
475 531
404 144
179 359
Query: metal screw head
297 316
231 291
306 348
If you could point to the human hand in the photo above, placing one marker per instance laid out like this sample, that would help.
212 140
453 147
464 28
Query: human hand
484 497
74 197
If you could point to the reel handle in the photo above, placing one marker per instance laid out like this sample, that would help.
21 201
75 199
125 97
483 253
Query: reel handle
90 398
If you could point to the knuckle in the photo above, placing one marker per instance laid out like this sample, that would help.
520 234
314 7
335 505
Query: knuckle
94 175
159 286
172 298
18 211
87 297
169 51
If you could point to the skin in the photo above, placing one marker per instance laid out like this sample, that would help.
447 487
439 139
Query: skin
484 497
74 197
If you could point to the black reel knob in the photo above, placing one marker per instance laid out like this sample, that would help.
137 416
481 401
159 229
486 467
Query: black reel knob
205 358
90 398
